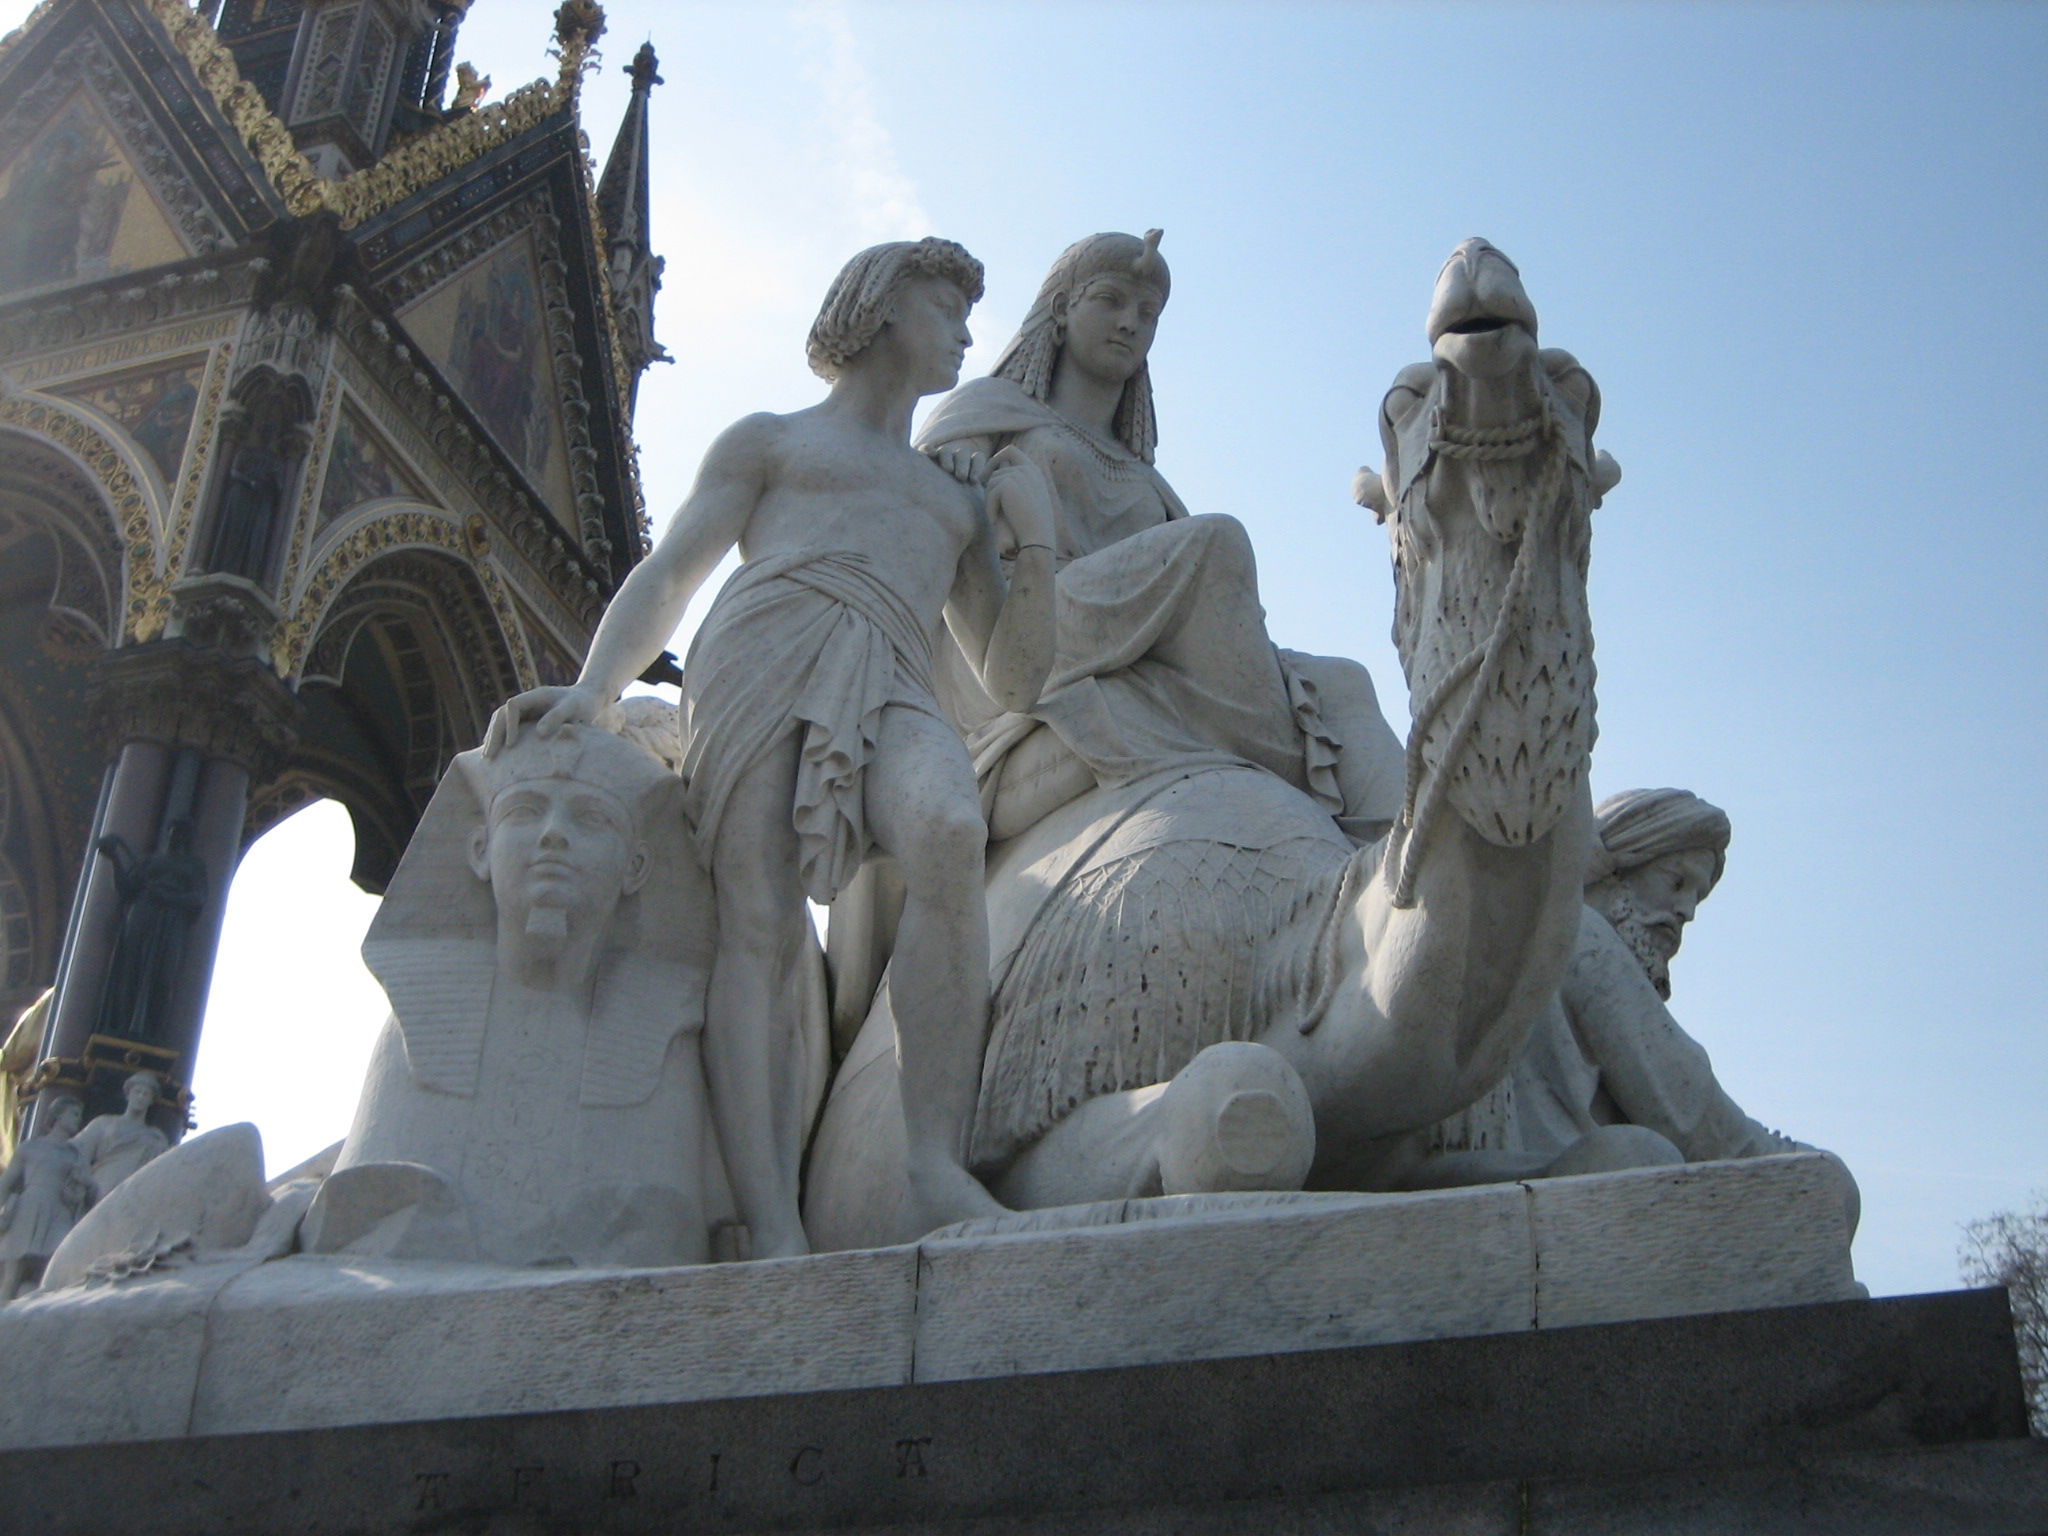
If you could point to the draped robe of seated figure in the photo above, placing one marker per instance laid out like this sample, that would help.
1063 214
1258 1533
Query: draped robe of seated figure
1163 658
1163 654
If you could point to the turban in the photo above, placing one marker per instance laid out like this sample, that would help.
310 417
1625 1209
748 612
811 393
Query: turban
1639 825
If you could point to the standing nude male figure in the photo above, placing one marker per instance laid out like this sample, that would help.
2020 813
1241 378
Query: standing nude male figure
814 736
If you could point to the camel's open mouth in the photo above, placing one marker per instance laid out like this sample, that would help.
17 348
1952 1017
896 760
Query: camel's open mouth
1478 325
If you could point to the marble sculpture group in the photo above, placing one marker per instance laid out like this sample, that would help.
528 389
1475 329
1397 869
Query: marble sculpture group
1125 899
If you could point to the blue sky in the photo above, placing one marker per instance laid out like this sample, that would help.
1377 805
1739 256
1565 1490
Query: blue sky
1799 246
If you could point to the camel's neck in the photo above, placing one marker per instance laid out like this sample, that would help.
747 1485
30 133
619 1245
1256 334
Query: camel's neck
1490 561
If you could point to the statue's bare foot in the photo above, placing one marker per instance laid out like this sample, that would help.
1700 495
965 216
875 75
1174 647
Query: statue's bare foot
942 1193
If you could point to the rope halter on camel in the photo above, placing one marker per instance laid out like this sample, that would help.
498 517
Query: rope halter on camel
1543 430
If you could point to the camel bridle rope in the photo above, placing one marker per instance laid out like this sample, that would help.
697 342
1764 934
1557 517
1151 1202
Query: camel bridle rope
1542 430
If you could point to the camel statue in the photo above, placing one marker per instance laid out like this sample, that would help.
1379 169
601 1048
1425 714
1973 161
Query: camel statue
1198 983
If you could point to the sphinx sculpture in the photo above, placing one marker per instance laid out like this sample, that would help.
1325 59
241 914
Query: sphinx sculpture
1357 994
538 1093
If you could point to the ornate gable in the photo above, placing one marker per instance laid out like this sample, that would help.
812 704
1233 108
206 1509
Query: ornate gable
110 142
510 266
74 206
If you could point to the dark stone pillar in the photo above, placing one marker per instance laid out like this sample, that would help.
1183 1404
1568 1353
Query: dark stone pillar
190 726
129 809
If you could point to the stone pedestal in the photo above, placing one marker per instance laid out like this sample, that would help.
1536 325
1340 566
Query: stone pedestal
1900 1416
1671 1349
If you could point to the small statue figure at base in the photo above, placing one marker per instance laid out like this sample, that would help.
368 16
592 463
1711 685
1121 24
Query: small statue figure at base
45 1189
114 1146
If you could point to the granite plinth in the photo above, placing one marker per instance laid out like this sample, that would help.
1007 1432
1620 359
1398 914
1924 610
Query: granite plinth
311 1342
1901 1415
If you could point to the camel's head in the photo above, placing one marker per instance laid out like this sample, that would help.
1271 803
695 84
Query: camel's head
1481 321
1490 484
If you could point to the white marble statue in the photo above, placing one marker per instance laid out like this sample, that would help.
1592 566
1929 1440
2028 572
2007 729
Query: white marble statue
45 1189
203 1201
116 1145
537 1096
815 737
1163 655
1363 993
1608 1079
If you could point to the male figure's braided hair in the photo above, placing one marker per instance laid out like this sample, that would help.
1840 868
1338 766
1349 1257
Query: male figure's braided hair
858 302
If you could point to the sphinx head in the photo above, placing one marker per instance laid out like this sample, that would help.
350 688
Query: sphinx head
561 840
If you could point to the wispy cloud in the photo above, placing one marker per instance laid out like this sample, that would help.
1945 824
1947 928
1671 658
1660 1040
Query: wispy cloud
882 203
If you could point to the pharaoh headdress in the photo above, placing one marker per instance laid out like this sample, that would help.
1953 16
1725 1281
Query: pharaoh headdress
1029 359
433 943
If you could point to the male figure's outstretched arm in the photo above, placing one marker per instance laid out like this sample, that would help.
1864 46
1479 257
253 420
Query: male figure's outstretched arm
649 604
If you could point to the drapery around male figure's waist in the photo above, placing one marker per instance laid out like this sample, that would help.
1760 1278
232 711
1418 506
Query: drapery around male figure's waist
848 578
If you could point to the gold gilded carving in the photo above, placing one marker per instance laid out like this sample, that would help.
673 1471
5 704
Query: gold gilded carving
183 515
243 106
147 603
421 161
411 167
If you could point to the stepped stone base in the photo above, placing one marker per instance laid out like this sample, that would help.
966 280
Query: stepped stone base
1677 1345
307 1342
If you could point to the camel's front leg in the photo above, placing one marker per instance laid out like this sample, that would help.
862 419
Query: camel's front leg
1237 1117
1428 1006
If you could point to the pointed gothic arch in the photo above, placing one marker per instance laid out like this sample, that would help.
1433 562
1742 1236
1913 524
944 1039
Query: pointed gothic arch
59 540
403 672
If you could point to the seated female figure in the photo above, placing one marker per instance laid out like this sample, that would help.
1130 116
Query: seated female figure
1163 656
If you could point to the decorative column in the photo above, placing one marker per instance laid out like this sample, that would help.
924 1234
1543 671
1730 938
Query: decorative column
190 726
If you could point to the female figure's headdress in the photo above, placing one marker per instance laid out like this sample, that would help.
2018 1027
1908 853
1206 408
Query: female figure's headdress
1029 359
